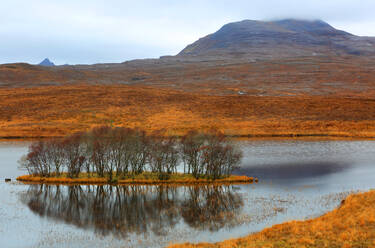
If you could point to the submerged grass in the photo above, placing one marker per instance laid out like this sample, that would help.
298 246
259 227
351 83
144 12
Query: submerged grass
143 178
350 225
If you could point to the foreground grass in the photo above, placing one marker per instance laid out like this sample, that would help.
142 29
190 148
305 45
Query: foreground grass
144 178
350 225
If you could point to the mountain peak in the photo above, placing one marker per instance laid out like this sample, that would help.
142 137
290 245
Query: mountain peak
46 62
280 38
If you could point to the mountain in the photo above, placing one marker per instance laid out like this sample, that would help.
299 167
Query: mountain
46 62
286 57
274 39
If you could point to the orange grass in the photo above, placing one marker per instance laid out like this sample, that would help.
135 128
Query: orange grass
330 96
147 178
350 225
60 110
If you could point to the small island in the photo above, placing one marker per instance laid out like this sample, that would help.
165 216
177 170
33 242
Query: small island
117 155
142 179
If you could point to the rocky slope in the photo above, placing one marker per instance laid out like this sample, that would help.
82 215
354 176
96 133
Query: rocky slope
278 39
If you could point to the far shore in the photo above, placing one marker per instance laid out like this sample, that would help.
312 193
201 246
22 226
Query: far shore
291 136
142 179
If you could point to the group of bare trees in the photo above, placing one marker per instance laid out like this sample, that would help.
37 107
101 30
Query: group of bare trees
118 151
208 154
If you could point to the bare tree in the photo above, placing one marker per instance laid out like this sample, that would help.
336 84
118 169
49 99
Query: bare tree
37 162
100 146
55 155
191 149
74 154
139 151
164 155
220 157
120 149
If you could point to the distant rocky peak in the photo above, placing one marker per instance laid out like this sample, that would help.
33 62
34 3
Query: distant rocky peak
275 39
46 62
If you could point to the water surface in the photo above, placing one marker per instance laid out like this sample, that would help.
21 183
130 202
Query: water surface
298 180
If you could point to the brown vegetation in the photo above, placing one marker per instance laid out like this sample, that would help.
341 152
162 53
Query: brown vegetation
142 179
60 110
306 96
350 225
317 75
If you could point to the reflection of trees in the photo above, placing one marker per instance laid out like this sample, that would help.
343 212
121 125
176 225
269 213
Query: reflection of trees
210 207
121 210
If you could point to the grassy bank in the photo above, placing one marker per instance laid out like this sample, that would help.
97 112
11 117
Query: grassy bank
350 225
42 112
144 178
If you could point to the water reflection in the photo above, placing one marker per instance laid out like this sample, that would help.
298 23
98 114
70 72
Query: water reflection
293 170
124 210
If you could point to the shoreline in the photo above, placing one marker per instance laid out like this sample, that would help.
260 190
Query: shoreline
351 224
291 136
233 179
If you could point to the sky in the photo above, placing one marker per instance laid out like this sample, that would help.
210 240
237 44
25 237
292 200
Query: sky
104 31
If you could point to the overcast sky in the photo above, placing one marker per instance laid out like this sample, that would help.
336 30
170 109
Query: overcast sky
98 31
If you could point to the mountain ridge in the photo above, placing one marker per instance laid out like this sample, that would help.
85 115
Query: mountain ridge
278 39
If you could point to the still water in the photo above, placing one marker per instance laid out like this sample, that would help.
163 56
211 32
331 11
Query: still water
298 180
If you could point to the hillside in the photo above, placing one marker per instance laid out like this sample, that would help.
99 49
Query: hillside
278 39
301 93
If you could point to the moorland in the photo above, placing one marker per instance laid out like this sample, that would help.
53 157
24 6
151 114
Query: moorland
295 97
250 78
